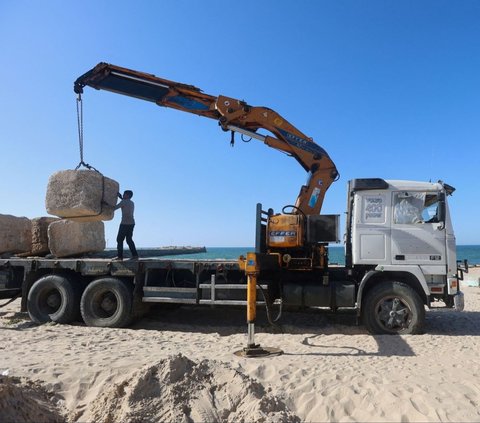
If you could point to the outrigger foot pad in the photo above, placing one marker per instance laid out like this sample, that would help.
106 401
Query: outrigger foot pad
258 351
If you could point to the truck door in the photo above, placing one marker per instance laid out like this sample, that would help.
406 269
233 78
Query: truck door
417 237
371 228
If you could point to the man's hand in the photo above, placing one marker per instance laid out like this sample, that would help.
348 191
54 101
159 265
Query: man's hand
119 196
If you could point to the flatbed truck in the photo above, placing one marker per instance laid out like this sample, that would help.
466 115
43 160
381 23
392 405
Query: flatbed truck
388 278
400 251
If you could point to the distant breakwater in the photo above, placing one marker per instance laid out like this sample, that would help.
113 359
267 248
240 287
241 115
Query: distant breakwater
152 252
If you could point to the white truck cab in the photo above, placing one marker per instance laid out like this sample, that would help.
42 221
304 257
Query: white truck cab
402 231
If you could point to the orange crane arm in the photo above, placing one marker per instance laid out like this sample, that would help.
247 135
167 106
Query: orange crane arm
232 114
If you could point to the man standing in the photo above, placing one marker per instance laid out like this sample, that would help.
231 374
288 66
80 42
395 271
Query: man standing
125 231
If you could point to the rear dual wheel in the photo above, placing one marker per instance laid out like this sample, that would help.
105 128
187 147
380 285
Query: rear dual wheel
107 302
54 298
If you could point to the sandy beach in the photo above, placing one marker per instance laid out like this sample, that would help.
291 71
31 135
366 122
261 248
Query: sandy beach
178 365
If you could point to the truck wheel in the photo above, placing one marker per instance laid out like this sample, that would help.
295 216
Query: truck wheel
393 308
107 302
54 298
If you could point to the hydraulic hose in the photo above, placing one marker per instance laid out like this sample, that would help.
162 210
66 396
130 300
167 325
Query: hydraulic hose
11 300
268 304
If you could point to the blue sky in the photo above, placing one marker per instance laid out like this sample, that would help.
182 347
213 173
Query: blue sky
389 89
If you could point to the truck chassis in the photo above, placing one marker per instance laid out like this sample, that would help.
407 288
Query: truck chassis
108 293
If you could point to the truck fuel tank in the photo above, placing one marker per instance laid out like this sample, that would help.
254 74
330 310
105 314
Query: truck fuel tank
316 294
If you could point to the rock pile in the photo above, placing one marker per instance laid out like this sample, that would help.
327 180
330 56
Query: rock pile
83 199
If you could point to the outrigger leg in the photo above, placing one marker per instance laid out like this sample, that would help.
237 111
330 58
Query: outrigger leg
252 349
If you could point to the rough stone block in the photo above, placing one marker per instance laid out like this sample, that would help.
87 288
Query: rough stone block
15 234
40 235
70 238
81 195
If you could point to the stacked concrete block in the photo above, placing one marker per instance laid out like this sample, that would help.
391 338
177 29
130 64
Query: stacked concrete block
40 235
69 238
15 234
81 195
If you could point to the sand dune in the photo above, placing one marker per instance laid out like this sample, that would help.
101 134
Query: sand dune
178 365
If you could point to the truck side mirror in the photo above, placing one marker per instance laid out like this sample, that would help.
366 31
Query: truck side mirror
442 208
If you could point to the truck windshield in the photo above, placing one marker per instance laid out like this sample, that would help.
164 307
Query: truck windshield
415 207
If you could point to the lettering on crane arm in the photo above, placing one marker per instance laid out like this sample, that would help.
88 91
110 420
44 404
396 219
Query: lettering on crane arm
302 143
187 103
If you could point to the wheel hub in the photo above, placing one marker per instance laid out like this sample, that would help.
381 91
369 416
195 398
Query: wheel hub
108 303
393 314
53 300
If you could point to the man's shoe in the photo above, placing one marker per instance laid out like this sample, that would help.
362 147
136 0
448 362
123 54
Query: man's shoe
117 259
134 257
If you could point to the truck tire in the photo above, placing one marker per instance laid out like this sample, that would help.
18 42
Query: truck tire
54 298
393 308
107 302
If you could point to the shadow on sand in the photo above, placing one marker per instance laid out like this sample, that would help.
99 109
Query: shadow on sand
313 324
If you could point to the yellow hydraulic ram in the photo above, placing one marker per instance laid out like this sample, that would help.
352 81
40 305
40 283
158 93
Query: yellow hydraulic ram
252 270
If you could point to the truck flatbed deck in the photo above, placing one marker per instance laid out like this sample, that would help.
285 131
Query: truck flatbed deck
154 279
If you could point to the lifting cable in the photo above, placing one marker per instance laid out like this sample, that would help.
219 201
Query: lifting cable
80 134
80 143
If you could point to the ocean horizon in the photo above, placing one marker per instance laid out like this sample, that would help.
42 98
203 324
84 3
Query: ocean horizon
471 253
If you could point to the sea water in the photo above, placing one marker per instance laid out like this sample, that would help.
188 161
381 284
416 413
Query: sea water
336 253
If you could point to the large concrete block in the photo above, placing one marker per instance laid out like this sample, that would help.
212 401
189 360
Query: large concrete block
15 234
40 235
70 238
81 195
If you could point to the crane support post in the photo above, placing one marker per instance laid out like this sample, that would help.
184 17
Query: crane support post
251 269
